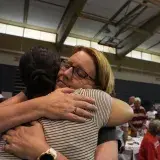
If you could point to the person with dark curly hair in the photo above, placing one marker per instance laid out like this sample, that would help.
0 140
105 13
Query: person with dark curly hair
38 70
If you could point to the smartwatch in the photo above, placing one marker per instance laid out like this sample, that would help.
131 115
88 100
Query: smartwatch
50 154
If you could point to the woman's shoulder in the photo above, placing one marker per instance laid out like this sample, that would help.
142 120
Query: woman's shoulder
103 101
95 92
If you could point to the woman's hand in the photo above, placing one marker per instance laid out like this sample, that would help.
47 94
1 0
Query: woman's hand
63 104
26 142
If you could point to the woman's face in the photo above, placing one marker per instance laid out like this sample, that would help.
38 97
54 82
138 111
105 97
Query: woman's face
78 72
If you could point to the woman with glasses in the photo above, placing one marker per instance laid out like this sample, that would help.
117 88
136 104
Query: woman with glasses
87 69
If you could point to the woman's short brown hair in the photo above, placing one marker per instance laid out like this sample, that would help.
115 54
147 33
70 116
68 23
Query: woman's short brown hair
104 75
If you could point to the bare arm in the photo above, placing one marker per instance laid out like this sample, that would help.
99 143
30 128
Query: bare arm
115 111
23 137
107 148
11 116
125 134
17 141
52 106
107 151
14 100
122 111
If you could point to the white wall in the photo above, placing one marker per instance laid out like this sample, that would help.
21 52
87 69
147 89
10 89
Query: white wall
136 76
11 59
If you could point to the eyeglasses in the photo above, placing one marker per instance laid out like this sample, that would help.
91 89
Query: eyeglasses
77 71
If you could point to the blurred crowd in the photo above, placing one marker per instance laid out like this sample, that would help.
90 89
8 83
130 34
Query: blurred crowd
144 124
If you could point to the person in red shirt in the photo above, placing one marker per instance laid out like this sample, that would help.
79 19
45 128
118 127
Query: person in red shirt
150 146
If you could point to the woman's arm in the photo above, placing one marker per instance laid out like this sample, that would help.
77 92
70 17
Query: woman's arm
107 144
57 105
121 113
16 114
15 99
28 142
113 111
107 151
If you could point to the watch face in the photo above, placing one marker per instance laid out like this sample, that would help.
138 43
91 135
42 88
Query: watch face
46 157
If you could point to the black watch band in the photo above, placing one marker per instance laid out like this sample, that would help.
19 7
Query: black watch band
46 156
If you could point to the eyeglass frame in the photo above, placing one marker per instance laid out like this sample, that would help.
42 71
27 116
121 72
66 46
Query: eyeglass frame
74 67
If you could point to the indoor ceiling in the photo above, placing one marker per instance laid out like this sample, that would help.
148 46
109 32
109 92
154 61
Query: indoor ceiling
123 24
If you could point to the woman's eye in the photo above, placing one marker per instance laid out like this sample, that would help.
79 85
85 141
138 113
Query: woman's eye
81 73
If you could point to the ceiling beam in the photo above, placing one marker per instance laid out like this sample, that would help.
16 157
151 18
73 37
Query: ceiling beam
26 10
130 14
137 38
94 17
120 30
157 43
113 18
69 18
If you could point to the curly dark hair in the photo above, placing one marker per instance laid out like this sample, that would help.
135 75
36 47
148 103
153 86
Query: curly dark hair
38 69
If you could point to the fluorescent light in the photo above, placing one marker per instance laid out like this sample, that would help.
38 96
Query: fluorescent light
71 41
97 46
146 56
136 54
83 43
129 54
112 50
155 58
30 33
106 49
3 28
14 30
50 37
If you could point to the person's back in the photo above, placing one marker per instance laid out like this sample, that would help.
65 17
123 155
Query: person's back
79 140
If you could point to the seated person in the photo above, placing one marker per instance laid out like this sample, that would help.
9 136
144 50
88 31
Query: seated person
74 146
150 146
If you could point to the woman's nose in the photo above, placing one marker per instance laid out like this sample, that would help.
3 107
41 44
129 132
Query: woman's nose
69 73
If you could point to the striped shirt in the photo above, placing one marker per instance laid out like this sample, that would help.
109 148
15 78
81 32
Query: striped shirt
74 140
139 117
